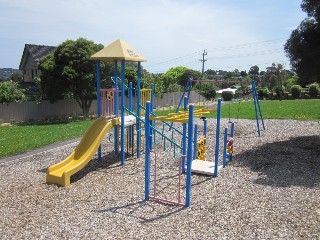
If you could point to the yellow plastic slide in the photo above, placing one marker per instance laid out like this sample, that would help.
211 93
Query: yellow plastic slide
60 173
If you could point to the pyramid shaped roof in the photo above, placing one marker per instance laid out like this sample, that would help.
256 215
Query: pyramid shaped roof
118 50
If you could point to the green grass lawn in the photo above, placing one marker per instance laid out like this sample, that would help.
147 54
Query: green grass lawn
17 139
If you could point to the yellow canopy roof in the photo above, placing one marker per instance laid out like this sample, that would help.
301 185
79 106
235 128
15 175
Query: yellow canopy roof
118 50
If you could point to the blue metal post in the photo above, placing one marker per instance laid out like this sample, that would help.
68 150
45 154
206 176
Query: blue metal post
184 137
195 141
258 104
186 88
116 108
189 156
255 105
216 158
122 111
130 108
205 127
147 154
225 147
260 111
98 98
232 130
138 110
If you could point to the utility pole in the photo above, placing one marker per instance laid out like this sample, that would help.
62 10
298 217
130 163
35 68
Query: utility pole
203 60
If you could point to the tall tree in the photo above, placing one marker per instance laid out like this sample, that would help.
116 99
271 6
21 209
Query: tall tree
303 46
254 73
275 77
254 70
178 75
70 72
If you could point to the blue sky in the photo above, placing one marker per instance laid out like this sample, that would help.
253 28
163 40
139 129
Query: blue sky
236 34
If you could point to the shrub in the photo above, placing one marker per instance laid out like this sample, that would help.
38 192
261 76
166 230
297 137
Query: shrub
314 90
205 89
263 93
296 91
227 95
260 93
279 92
209 93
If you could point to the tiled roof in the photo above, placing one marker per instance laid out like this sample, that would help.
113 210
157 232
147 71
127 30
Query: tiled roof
39 51
36 51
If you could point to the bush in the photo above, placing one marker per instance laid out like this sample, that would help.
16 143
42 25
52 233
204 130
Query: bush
296 91
227 95
205 89
314 90
263 93
11 92
279 92
209 93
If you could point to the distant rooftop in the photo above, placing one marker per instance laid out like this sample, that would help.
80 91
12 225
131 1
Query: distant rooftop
36 51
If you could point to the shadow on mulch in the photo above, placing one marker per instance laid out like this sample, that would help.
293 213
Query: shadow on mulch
132 210
295 162
97 165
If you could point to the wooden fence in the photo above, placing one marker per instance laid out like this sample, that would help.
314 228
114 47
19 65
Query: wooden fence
30 111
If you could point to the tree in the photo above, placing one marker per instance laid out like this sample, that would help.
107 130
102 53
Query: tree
290 82
314 90
70 72
254 70
183 79
296 91
179 75
275 78
227 95
171 76
254 74
15 76
205 89
210 72
243 73
10 92
303 46
148 78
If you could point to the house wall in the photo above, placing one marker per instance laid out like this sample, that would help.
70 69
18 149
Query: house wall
30 70
64 108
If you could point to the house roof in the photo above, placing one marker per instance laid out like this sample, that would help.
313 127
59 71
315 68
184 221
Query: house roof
36 52
118 50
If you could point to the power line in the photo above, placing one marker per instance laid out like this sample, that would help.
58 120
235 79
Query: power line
246 45
174 59
182 59
270 51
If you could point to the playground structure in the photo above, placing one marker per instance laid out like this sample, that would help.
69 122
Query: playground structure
108 115
191 150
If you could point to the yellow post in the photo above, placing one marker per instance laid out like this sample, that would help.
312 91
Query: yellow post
145 95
